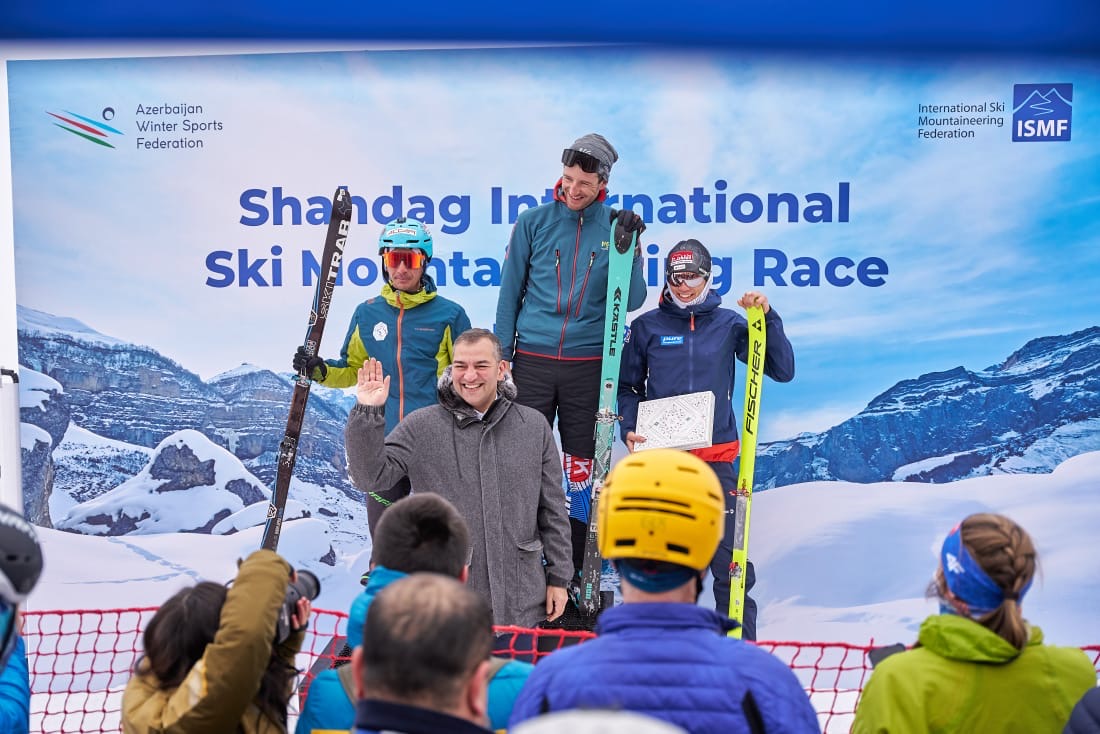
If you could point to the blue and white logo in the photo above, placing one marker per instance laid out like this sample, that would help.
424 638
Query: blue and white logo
671 341
1041 112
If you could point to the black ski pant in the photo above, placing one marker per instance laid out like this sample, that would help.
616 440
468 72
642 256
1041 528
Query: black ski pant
720 564
567 390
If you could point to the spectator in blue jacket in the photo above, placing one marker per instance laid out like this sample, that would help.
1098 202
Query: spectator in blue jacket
1085 717
20 567
420 533
550 311
659 653
424 661
688 344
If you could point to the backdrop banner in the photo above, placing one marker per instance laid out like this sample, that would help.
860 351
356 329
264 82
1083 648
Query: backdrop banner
925 225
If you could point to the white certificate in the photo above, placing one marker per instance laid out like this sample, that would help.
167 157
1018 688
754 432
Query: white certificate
677 422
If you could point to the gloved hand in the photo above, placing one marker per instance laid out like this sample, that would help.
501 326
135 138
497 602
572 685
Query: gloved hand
629 223
302 361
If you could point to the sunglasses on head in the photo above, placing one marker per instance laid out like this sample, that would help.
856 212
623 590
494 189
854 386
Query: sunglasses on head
411 259
691 280
588 163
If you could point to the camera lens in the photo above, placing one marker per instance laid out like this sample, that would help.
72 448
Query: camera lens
308 585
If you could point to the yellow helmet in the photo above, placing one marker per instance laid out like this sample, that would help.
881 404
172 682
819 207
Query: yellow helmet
662 505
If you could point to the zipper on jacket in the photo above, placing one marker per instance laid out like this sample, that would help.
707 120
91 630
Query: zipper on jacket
400 371
557 271
572 282
691 353
580 298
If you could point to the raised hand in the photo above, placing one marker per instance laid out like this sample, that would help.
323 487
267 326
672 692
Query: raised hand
754 298
373 386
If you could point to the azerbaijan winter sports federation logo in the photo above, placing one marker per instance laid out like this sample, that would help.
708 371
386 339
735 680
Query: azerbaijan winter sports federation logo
96 131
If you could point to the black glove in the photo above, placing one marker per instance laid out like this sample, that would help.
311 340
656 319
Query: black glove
304 362
629 223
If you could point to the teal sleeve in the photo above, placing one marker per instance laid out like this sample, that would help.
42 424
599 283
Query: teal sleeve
15 692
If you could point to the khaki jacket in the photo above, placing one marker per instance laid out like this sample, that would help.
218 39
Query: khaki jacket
216 695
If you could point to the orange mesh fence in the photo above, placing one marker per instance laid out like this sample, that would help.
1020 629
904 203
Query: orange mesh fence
80 660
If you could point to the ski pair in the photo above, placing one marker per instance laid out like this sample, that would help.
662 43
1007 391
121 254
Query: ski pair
331 256
586 594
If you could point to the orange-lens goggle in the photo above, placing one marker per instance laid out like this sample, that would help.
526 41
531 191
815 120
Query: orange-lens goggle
411 259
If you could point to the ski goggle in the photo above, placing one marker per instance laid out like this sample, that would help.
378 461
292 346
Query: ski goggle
8 630
691 280
588 163
411 259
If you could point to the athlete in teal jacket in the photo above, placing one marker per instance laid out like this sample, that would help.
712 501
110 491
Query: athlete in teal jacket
409 328
551 307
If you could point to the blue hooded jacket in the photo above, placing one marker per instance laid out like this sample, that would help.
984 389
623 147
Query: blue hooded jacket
328 707
673 662
15 692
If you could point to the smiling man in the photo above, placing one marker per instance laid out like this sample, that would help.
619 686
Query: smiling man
550 312
495 460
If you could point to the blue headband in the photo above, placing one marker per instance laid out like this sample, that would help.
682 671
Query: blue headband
966 579
654 576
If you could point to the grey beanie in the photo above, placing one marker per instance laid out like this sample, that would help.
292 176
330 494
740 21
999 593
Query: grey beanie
596 145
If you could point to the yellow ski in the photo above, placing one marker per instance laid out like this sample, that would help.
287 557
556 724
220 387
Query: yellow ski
754 384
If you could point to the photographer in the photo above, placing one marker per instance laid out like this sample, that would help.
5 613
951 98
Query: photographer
218 659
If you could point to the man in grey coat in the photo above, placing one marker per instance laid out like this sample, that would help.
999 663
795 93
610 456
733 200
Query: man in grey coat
494 459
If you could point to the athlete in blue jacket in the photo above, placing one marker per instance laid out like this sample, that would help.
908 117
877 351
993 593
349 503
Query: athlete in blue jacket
550 312
409 328
659 653
689 343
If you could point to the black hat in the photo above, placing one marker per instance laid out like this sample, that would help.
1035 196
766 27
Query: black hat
688 256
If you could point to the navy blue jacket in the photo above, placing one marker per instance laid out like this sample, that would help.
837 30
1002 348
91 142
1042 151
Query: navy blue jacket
674 351
1085 717
673 662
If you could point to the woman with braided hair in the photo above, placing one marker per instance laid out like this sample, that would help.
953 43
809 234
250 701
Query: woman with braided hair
978 665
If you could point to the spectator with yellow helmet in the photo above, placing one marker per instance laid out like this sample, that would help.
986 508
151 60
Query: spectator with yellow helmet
660 517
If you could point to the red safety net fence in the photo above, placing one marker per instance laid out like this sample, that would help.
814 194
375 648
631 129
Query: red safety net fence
80 661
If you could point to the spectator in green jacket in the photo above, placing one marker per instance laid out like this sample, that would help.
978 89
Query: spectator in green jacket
978 666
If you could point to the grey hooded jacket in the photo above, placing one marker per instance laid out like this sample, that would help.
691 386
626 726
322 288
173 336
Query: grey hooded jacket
503 473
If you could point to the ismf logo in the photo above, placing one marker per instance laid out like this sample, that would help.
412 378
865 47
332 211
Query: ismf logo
1041 112
94 130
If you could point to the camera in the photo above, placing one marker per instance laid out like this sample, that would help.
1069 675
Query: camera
304 584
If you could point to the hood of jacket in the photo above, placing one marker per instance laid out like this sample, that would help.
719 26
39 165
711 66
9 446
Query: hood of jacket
959 638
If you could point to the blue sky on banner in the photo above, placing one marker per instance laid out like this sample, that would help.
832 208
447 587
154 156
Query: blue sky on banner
987 243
